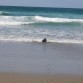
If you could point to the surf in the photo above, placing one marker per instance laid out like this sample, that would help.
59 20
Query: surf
26 40
4 13
57 20
25 20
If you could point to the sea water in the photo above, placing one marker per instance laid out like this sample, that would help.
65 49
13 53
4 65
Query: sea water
32 24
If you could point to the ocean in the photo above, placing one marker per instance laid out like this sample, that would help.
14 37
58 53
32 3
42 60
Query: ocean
32 24
22 30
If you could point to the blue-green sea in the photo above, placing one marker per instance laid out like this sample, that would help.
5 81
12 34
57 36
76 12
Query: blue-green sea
32 24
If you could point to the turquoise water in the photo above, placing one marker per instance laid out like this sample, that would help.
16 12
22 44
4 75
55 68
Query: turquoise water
32 24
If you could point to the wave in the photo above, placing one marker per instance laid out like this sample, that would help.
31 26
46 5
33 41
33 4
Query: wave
15 23
57 20
3 13
22 39
15 20
21 20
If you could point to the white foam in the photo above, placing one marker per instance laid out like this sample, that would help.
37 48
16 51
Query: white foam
72 41
28 39
57 20
14 23
20 39
14 20
19 20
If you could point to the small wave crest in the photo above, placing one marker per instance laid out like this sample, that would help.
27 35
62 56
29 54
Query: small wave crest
3 13
15 20
21 20
57 20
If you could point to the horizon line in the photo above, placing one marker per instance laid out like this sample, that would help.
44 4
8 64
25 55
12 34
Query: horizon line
40 6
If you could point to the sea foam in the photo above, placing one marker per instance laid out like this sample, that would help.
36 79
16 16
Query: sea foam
20 20
57 20
29 39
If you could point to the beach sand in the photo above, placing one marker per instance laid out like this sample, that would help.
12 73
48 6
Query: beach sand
41 63
23 78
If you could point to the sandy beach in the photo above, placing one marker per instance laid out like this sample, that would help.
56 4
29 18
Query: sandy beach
41 63
23 78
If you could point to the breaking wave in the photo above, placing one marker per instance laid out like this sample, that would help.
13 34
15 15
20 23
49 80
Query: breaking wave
57 20
3 13
19 20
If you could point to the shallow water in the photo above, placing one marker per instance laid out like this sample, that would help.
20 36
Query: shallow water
29 24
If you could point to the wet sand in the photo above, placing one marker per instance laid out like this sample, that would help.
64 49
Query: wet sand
41 63
41 58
